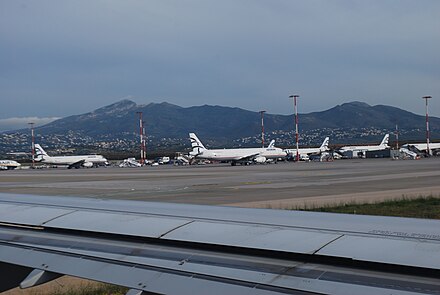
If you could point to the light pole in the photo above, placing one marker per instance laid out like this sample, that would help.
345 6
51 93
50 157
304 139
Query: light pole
144 142
262 128
33 143
141 137
427 124
295 97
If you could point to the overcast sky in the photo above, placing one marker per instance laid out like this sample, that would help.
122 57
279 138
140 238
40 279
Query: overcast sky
59 58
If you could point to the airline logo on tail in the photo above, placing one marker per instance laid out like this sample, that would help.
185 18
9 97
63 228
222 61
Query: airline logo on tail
40 153
324 145
196 144
385 140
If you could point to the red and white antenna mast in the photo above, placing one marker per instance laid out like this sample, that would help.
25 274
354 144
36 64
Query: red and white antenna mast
295 97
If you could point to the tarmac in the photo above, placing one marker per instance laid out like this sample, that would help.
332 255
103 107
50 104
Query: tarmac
283 185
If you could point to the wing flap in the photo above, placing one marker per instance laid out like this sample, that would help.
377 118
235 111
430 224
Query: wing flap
390 251
253 236
117 223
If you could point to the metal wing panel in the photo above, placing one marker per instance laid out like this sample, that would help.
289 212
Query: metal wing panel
124 224
128 275
29 215
340 223
186 280
386 250
256 237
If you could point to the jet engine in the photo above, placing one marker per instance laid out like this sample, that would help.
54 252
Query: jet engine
260 160
88 164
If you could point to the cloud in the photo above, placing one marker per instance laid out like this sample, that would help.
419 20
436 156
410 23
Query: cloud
23 122
250 54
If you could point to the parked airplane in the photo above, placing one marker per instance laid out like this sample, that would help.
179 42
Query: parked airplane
306 152
71 161
361 149
423 147
164 248
259 155
8 164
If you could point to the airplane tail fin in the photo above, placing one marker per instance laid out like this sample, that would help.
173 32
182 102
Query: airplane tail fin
40 153
196 144
272 143
324 145
385 140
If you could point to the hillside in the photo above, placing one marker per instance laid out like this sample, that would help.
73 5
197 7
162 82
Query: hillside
168 120
116 126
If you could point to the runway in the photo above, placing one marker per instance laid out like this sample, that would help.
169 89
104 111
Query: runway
282 185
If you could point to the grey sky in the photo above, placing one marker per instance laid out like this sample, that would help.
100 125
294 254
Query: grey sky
59 58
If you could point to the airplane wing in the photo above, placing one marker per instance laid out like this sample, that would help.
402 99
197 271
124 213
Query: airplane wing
77 164
160 248
247 157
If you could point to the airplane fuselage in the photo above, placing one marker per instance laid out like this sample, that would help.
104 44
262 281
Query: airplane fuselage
69 160
424 146
363 148
305 151
9 164
239 154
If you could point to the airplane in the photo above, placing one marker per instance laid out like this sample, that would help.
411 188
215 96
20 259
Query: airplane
241 155
9 164
361 149
306 152
423 147
164 248
87 161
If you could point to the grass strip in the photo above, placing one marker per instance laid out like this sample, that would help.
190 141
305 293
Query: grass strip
421 207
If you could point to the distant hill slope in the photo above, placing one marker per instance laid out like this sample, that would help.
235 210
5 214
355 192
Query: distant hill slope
168 120
115 127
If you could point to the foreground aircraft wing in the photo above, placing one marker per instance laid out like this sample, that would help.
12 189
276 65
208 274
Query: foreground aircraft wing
160 248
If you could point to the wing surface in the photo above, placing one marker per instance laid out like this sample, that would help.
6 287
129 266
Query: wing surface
247 157
190 249
77 164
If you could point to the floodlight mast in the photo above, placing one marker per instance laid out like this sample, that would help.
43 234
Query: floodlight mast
295 97
144 142
33 143
427 124
262 128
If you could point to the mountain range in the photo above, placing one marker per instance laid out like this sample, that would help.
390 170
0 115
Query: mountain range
168 120
351 122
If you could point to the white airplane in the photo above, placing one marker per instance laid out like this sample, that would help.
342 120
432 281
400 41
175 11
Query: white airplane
87 161
423 147
259 155
8 164
306 152
364 148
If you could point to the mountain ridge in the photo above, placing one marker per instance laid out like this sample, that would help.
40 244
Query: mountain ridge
167 124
